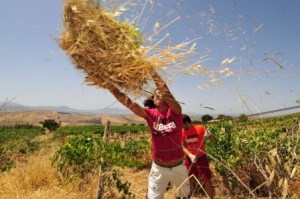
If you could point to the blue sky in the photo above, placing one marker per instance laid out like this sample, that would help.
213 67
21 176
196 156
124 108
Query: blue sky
34 71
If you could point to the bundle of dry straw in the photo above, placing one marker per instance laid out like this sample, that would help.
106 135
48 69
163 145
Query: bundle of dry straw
109 52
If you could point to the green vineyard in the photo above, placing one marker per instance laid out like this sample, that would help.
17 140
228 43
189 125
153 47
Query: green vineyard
257 158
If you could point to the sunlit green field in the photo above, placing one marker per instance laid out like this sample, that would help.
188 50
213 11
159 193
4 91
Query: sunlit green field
256 158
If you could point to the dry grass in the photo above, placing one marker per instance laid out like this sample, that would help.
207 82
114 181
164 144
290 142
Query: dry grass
108 51
34 178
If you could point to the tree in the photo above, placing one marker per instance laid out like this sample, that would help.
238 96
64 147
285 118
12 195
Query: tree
224 117
243 118
206 118
50 124
197 122
221 117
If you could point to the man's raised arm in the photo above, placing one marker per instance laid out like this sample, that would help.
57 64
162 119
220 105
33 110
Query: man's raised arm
126 101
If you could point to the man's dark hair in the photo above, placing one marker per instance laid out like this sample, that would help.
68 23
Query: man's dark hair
186 118
149 103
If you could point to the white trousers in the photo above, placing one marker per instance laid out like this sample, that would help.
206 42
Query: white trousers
160 177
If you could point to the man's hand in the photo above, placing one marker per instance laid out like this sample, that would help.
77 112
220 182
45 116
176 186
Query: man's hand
193 158
166 93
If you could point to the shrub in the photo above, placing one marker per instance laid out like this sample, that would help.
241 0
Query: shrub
206 118
50 124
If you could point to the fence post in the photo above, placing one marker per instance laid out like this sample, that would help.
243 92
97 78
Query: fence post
100 187
107 130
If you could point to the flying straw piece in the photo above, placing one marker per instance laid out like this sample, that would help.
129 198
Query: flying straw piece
167 25
273 60
209 108
228 61
258 28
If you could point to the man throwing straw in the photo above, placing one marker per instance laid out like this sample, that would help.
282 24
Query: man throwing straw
165 123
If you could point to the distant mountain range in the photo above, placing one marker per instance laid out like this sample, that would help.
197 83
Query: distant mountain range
12 106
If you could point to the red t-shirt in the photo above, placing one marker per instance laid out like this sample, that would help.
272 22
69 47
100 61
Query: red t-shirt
194 139
166 134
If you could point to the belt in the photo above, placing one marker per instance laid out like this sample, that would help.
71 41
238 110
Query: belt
169 166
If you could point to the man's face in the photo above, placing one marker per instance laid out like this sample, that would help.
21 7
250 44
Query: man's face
158 100
185 125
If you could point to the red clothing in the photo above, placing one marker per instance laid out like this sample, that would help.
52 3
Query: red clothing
166 134
199 168
194 140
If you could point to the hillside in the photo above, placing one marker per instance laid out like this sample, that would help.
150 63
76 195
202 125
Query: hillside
73 119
